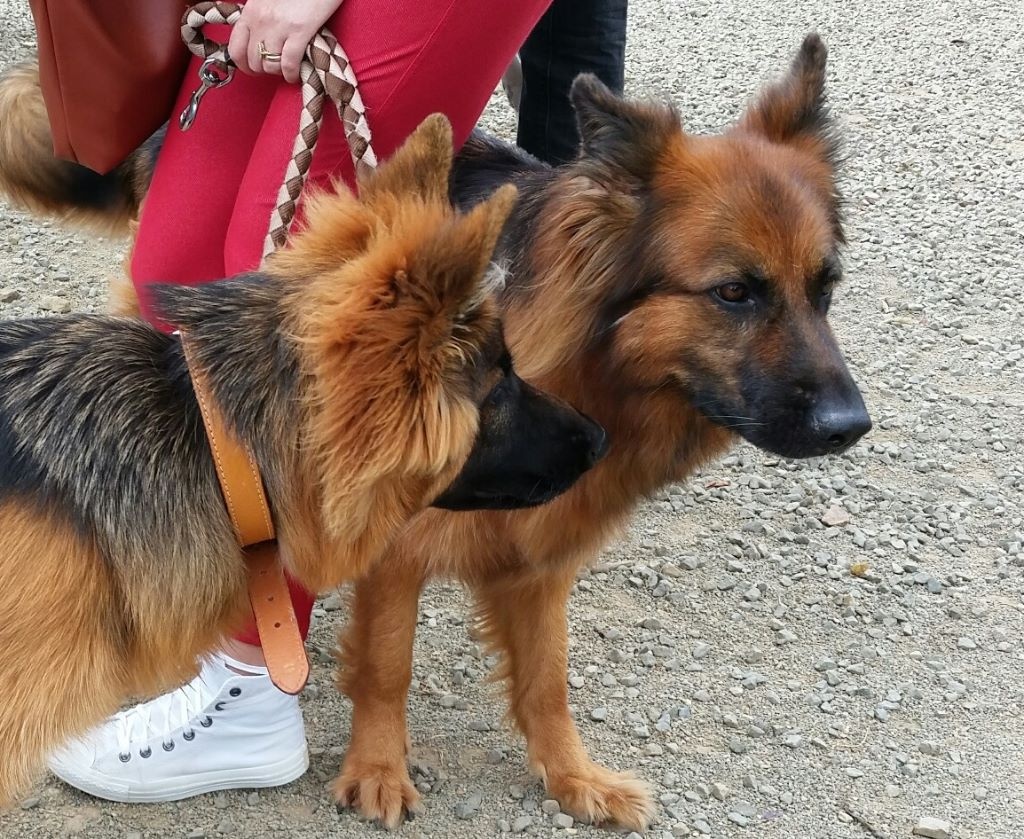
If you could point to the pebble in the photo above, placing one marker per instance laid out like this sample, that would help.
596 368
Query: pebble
966 644
599 714
30 803
563 820
468 808
932 828
522 823
549 807
835 516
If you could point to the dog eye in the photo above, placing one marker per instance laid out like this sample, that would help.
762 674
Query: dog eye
733 293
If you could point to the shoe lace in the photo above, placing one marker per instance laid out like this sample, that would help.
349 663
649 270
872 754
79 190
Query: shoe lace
163 716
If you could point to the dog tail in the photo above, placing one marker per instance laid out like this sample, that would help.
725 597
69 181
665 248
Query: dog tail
33 179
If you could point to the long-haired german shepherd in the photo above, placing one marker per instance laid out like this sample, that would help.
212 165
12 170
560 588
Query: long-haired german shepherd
674 287
364 368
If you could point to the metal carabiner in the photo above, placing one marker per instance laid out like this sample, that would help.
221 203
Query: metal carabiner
213 73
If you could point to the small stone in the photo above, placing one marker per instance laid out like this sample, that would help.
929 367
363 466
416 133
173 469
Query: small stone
9 295
738 746
980 794
576 681
550 807
599 714
333 603
29 803
701 650
933 828
893 791
835 516
563 820
521 824
198 833
966 644
720 791
252 799
53 303
930 747
469 808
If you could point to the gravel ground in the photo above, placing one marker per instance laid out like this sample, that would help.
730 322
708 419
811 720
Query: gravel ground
803 650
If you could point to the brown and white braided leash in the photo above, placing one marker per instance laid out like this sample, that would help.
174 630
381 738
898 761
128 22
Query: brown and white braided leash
325 71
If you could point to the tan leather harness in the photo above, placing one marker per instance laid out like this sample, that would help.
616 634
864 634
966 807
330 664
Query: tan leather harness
242 486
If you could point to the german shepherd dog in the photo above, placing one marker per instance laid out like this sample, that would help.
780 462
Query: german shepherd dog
365 369
676 288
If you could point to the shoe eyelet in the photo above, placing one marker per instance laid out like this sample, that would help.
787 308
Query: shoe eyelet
124 757
219 706
235 691
207 722
146 752
168 747
188 735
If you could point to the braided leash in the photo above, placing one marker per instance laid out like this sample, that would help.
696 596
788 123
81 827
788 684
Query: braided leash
325 72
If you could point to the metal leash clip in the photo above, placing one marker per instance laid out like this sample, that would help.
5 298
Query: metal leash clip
215 72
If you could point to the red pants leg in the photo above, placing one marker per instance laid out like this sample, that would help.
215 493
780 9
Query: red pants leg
208 208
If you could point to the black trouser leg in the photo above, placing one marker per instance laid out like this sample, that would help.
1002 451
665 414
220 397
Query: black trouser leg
573 37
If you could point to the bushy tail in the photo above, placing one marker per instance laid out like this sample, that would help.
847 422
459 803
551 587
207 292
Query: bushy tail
32 179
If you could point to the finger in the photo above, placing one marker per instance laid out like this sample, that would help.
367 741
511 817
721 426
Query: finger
238 47
291 58
255 59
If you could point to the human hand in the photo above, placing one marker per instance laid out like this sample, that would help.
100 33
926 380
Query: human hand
284 28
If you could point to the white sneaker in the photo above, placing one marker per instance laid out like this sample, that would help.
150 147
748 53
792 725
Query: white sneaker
220 731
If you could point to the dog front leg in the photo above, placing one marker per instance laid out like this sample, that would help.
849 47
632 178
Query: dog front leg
524 617
375 661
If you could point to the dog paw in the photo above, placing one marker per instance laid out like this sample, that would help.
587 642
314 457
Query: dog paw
602 797
377 791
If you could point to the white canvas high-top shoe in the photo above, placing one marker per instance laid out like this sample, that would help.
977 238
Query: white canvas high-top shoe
220 731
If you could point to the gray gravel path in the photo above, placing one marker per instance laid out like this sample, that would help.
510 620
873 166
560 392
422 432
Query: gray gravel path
799 650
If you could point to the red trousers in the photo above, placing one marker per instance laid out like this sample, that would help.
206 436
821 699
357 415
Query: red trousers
207 211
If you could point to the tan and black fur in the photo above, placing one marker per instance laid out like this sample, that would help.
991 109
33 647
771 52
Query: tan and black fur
364 368
676 288
33 179
618 267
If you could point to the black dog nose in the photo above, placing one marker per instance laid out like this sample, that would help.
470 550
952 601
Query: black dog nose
598 445
840 428
592 442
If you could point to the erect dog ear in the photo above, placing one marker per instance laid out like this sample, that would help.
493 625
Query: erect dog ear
420 166
627 133
455 262
793 110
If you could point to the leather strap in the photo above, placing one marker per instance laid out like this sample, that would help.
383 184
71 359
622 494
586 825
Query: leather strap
242 487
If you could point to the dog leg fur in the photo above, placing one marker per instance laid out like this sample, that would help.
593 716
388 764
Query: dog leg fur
59 656
376 669
525 618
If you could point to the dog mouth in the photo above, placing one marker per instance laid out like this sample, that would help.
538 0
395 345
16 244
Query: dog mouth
541 491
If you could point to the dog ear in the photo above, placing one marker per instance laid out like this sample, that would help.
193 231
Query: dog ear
629 134
420 166
792 110
458 257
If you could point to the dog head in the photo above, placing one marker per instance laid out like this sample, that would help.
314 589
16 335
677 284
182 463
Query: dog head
414 395
725 292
